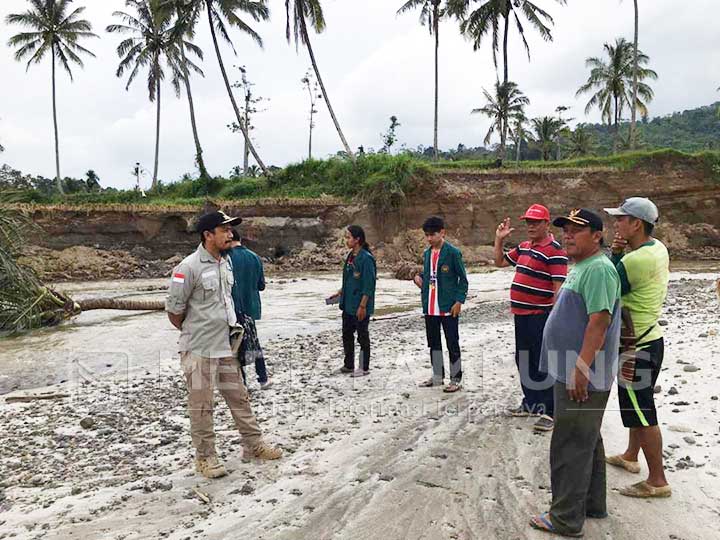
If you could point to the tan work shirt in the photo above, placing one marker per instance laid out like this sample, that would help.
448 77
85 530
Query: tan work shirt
201 287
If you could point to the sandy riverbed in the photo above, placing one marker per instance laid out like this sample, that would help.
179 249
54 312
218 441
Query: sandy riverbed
369 458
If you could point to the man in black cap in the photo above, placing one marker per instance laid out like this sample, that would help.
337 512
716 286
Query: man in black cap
580 353
200 305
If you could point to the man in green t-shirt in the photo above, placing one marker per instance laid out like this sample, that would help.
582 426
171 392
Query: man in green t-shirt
644 273
580 353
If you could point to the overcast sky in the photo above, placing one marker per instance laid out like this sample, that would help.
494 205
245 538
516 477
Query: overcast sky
374 64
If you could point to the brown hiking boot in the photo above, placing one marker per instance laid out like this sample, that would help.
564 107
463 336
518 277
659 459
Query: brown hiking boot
262 451
210 467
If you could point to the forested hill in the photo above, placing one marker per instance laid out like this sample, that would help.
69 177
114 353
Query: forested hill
690 131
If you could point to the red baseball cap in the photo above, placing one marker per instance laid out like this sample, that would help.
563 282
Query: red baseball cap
537 211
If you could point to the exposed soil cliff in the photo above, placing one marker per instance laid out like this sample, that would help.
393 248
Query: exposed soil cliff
307 234
473 203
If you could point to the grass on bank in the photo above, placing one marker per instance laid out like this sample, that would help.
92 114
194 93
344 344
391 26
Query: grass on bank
379 180
624 162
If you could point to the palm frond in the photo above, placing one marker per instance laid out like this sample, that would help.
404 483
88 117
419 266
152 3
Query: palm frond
25 303
54 29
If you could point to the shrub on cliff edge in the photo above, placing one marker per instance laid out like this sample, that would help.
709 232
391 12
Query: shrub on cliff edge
380 180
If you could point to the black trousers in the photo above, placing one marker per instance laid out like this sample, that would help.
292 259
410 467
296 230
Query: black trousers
350 325
450 327
537 387
637 398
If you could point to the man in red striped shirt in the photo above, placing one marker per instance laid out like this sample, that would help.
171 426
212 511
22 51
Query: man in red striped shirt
540 269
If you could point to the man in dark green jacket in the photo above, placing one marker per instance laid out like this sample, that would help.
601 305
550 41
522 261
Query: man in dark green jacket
249 281
357 300
444 287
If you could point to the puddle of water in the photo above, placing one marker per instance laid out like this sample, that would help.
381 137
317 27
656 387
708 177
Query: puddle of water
98 342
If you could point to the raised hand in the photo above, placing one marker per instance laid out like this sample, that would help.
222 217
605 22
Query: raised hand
504 230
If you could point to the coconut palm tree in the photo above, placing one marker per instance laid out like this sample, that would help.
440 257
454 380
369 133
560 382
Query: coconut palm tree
611 80
220 15
311 9
57 30
476 23
508 101
430 15
154 40
546 131
187 14
581 142
518 132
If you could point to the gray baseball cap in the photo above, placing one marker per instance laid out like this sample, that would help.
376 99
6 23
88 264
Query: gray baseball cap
638 207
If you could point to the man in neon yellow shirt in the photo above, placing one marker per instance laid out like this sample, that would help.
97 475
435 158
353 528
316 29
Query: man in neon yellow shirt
644 273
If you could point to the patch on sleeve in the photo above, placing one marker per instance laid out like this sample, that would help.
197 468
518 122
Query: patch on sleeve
178 277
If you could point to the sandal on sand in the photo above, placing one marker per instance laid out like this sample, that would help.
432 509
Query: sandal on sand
429 383
452 387
518 412
544 423
543 523
643 490
619 461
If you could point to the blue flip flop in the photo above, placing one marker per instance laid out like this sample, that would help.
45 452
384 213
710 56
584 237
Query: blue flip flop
542 523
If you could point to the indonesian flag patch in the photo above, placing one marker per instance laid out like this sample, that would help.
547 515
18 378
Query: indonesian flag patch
178 277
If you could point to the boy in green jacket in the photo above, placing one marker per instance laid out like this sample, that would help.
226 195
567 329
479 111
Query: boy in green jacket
444 287
357 300
249 282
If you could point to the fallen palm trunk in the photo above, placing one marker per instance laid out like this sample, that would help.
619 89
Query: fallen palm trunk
120 303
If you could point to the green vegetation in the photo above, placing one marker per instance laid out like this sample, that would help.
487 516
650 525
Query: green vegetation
689 131
707 160
613 83
507 102
546 131
24 301
380 180
477 19
154 37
